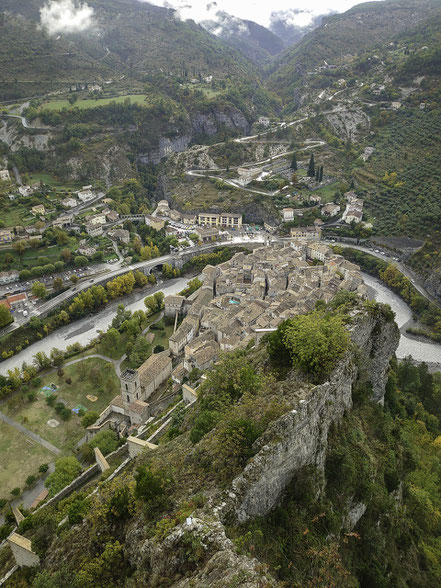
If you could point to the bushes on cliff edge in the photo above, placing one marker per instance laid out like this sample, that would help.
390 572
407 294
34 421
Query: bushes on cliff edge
312 342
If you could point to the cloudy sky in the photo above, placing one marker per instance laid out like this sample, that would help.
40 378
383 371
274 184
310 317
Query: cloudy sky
70 16
300 11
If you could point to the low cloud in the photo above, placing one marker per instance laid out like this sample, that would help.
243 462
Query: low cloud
298 17
66 16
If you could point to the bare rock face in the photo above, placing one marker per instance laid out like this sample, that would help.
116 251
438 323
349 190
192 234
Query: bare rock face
346 123
432 284
194 555
299 438
201 123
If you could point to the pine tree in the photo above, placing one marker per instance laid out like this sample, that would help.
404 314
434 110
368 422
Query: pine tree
321 174
311 168
294 162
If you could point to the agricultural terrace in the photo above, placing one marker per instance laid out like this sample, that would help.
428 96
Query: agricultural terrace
93 102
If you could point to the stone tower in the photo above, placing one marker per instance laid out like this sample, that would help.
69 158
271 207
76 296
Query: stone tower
130 387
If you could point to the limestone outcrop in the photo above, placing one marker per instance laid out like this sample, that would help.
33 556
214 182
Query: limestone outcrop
299 437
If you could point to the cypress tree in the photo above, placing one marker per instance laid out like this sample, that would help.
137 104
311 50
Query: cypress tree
321 174
294 162
317 175
311 168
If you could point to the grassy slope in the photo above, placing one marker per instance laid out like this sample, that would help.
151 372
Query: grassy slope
19 458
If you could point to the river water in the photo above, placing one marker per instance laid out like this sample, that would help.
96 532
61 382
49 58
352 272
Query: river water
84 330
419 350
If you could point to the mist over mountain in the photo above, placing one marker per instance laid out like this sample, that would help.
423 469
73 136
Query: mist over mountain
293 25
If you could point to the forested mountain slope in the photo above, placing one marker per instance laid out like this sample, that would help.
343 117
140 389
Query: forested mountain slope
341 37
129 38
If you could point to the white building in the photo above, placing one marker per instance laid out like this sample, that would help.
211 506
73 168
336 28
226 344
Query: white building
97 219
69 203
288 214
247 175
94 230
25 190
4 174
86 194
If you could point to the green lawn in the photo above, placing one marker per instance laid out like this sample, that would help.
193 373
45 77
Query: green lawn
162 337
19 458
326 193
14 214
51 181
92 376
91 103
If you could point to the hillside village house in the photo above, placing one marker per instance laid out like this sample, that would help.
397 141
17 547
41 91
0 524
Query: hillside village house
264 121
330 209
86 194
173 304
4 174
86 250
225 220
138 385
97 219
120 235
207 234
189 218
62 222
155 222
247 175
318 251
288 214
94 230
269 227
354 209
111 215
6 236
308 233
25 190
38 210
69 203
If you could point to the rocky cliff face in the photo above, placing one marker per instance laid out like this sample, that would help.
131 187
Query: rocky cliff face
432 284
207 123
299 438
202 549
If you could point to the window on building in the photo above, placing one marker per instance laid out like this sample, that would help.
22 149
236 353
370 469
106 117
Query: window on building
128 399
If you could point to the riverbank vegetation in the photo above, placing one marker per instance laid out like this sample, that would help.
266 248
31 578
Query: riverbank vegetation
85 303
